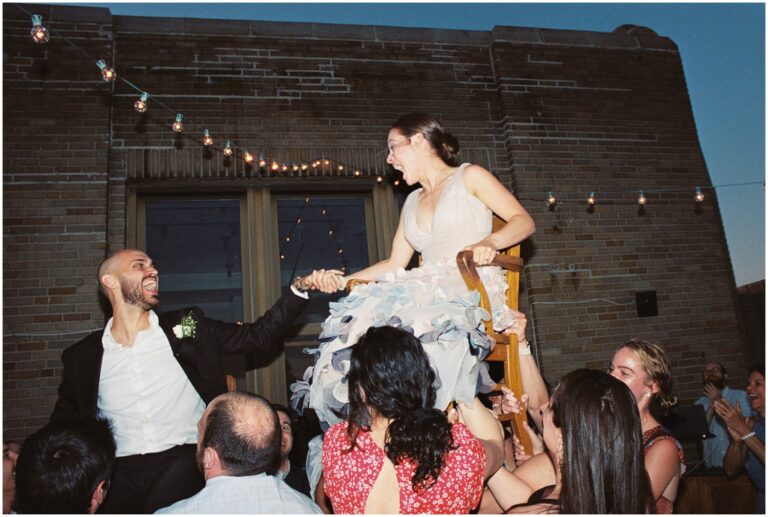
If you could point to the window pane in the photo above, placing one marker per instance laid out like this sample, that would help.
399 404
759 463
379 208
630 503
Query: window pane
196 246
320 233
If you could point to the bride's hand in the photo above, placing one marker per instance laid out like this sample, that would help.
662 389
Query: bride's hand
483 252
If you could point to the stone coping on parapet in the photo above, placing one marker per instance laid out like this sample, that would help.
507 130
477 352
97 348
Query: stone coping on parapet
627 37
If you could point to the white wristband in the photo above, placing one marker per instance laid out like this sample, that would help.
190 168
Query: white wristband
747 436
523 348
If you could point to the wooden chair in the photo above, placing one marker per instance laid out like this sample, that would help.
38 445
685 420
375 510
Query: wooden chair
506 344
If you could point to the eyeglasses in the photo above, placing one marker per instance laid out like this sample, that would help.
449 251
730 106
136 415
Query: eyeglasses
391 147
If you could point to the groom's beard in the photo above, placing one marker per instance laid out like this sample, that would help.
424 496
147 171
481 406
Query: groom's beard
135 295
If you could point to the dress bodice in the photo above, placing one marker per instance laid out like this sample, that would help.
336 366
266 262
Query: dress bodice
460 219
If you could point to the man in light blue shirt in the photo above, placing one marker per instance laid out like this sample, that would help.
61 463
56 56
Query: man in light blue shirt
714 377
238 444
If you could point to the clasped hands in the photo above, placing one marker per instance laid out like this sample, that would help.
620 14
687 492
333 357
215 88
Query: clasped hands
326 281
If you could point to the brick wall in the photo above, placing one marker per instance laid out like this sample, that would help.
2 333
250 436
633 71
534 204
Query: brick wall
563 111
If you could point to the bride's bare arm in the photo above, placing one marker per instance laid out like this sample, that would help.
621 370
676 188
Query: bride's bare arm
399 258
485 187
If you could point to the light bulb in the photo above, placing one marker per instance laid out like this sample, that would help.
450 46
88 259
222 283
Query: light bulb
341 168
262 163
304 166
314 165
396 182
208 140
295 168
379 179
341 250
288 239
326 162
178 126
357 173
284 168
248 157
275 166
324 211
330 232
699 195
282 257
298 220
107 73
227 149
39 33
141 103
591 199
641 200
551 199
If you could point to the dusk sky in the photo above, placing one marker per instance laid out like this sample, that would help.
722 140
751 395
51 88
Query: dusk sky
723 53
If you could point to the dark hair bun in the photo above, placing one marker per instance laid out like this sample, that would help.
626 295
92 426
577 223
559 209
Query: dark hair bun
449 149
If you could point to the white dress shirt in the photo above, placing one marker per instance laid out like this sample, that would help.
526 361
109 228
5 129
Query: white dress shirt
245 494
146 394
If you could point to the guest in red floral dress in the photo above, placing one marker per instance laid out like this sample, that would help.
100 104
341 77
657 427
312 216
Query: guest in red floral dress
396 454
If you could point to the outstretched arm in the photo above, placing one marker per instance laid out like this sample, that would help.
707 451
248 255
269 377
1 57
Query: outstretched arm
482 423
399 258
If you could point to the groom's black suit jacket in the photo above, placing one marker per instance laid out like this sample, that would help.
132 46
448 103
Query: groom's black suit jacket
199 357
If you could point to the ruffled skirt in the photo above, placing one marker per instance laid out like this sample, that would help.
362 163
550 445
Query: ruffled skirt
433 302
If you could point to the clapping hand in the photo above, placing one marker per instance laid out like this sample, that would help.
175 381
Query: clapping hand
712 392
737 425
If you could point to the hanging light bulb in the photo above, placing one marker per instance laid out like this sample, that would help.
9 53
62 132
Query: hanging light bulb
357 173
208 139
178 126
341 168
324 211
304 166
330 232
39 33
284 168
699 197
591 199
295 168
107 73
227 149
262 162
306 200
288 238
551 199
641 199
275 166
248 157
379 179
298 220
396 182
341 250
282 257
141 103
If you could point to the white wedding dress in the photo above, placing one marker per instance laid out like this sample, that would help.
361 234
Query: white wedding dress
432 300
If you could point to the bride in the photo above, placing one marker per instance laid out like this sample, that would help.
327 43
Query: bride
452 211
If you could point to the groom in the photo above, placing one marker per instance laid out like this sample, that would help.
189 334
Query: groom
152 375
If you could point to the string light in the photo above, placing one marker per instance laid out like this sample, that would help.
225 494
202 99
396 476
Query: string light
107 73
295 168
551 199
341 167
282 257
699 197
591 199
396 183
341 250
379 179
330 232
39 33
227 149
304 166
641 200
178 126
208 139
284 168
141 104
248 157
357 172
288 238
275 166
262 162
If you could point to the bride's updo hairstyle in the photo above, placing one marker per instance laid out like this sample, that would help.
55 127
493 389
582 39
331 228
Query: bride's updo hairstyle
445 144
390 376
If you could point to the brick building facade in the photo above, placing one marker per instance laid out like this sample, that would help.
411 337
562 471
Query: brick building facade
547 110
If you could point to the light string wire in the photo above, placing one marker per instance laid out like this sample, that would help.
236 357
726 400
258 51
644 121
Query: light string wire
552 198
236 147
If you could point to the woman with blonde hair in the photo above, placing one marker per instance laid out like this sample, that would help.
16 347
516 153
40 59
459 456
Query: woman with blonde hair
644 368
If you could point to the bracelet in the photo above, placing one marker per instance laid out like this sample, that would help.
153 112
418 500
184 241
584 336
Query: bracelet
523 348
747 436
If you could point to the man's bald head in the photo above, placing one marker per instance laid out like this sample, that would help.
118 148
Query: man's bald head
244 431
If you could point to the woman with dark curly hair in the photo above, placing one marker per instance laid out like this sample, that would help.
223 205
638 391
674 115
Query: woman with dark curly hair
645 369
396 453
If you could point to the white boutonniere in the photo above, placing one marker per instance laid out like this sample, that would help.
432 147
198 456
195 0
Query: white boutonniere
186 328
